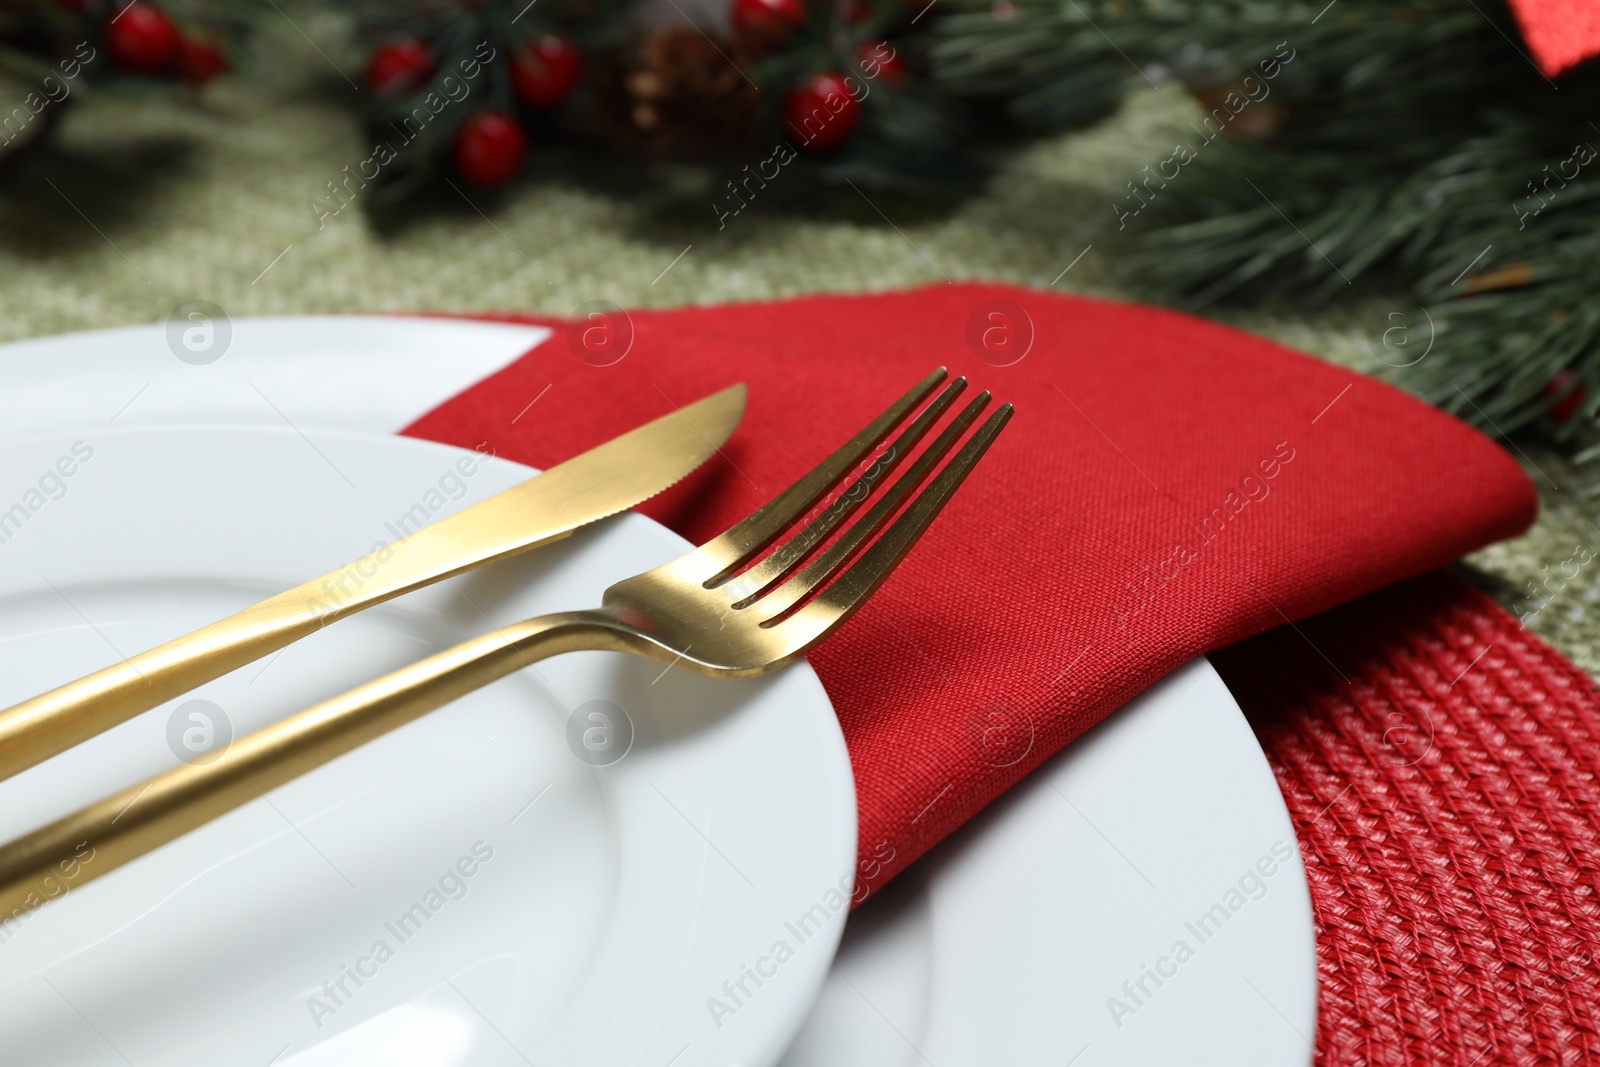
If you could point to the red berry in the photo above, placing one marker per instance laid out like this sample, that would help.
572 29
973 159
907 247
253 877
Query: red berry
398 66
767 17
143 40
544 70
821 112
201 61
879 59
489 147
1568 391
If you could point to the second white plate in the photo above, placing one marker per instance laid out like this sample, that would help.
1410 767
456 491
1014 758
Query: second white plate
1139 899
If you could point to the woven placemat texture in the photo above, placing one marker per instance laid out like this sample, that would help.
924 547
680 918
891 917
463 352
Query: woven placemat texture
1442 767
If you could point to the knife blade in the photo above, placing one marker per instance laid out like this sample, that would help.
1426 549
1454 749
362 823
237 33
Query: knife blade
547 507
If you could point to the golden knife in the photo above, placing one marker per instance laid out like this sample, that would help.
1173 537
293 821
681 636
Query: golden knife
547 507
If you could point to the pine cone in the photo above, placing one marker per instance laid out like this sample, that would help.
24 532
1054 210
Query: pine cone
681 93
1230 110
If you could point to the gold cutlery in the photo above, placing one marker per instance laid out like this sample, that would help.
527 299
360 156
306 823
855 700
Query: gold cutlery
547 507
720 609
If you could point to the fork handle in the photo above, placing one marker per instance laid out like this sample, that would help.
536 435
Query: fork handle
103 836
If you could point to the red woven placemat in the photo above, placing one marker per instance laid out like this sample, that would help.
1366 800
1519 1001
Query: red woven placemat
1440 764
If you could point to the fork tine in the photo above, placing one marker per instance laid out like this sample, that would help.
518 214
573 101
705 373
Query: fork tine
845 548
841 598
774 568
764 525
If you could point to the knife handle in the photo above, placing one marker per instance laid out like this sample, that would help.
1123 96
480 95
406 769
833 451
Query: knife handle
49 724
34 730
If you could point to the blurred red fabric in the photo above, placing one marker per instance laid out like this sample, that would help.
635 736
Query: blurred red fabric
1167 487
1560 33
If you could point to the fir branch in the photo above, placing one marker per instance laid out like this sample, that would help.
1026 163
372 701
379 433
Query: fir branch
1414 138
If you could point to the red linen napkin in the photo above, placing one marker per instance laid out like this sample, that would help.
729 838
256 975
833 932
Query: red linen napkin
1561 33
1167 487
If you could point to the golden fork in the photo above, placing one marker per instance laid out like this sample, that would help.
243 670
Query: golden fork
720 609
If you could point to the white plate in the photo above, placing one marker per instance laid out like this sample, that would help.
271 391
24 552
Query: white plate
906 951
1030 936
340 372
500 899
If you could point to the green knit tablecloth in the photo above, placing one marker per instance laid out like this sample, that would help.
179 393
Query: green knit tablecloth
142 204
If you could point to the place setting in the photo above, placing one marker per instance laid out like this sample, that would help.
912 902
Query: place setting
785 533
328 745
